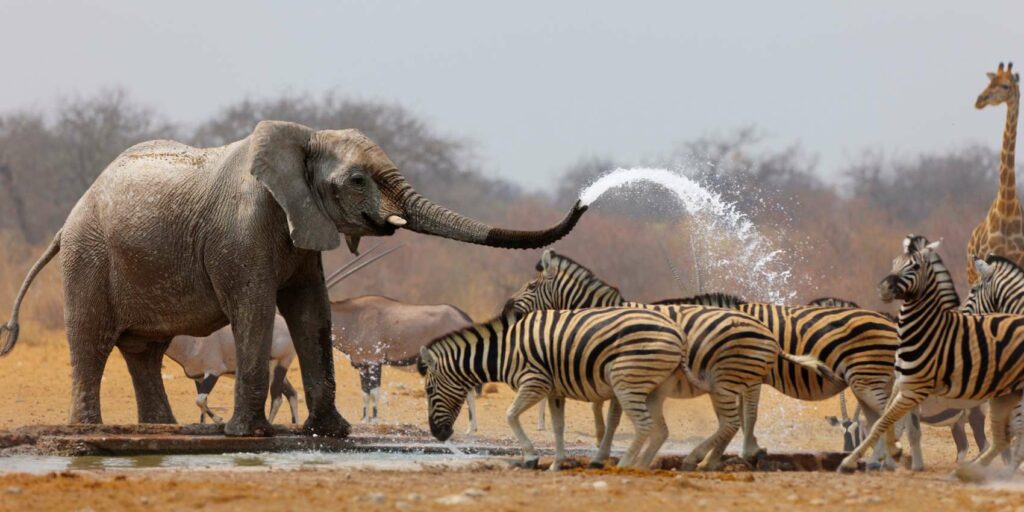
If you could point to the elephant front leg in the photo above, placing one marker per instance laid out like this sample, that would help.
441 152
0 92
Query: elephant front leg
252 327
306 309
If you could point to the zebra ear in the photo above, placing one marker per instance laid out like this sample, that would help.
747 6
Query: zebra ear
983 268
547 262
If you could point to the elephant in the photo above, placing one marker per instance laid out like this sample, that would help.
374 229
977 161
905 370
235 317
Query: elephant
373 330
171 239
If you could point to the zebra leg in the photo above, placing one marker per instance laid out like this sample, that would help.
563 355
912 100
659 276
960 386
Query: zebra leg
659 432
999 411
557 406
914 436
540 415
872 403
605 447
900 405
960 438
471 411
596 407
726 404
635 406
976 419
749 400
529 395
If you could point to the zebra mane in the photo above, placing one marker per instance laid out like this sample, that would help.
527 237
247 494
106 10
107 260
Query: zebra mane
993 259
564 262
707 299
833 302
499 320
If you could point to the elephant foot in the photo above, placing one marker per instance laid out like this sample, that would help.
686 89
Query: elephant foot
160 416
236 427
327 425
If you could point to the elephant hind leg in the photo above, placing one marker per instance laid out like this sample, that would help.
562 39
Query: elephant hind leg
144 360
88 360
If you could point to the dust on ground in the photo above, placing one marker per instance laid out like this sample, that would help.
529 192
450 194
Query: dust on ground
36 384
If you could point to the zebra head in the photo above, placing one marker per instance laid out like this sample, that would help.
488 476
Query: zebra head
562 284
1000 289
910 270
445 394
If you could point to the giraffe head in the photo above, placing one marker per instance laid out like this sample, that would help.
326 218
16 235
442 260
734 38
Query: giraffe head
1001 87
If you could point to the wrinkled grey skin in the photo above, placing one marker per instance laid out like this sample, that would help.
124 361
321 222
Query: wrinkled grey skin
172 239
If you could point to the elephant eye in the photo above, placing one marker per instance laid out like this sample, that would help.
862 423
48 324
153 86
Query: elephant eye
357 180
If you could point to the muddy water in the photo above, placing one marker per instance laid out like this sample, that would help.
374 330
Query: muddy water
38 464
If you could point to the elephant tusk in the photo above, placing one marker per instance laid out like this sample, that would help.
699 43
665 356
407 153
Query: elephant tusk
353 243
395 220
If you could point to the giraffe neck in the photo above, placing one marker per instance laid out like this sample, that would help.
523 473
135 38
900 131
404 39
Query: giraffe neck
1007 178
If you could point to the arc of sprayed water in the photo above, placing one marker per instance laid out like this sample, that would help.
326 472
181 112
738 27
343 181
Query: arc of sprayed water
753 252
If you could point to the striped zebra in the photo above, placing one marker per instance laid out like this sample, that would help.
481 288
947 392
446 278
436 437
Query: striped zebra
945 352
857 345
730 354
588 355
934 412
999 289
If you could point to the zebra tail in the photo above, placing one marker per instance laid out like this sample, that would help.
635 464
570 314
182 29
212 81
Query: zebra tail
814 364
9 330
697 383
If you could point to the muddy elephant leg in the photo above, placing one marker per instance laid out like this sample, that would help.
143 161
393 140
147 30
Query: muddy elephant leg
88 359
306 309
144 359
252 326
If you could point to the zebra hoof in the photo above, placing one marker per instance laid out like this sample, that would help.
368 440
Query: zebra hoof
530 464
846 470
594 464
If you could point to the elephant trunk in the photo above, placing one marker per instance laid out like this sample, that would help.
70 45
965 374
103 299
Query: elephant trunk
424 216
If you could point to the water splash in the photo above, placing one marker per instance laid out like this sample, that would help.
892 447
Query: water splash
731 244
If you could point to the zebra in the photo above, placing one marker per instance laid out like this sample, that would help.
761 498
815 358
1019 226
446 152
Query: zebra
588 355
999 290
730 354
858 345
934 412
946 352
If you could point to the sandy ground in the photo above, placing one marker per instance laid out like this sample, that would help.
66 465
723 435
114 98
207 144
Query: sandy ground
35 383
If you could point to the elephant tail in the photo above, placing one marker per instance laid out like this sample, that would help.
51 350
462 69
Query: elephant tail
9 331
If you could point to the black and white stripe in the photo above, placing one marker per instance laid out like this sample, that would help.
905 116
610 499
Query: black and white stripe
730 354
588 355
945 352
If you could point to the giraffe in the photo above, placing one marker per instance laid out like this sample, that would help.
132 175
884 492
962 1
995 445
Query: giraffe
1002 231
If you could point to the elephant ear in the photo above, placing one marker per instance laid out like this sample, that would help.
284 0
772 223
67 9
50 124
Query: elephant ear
277 159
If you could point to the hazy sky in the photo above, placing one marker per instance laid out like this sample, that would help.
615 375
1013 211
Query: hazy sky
536 85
